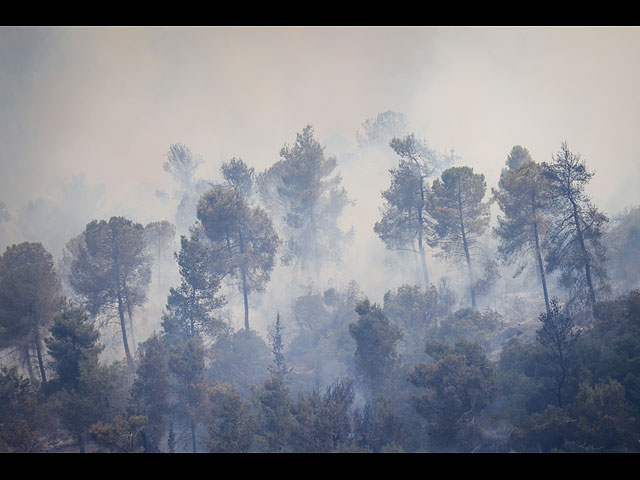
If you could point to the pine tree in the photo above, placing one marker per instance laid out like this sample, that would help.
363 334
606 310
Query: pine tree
279 366
404 215
461 216
304 191
574 244
243 236
111 271
523 197
29 298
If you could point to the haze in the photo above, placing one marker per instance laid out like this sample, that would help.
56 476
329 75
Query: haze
94 110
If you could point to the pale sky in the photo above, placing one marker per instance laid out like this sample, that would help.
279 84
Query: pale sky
108 101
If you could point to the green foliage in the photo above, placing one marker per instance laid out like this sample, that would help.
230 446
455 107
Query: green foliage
20 414
277 421
622 241
417 312
597 421
378 426
190 390
239 176
111 270
611 348
404 219
474 326
522 196
232 423
558 337
324 422
73 342
191 306
159 237
376 338
459 385
29 297
460 214
303 190
321 349
99 397
521 380
123 435
84 392
574 244
240 357
244 239
151 389
279 366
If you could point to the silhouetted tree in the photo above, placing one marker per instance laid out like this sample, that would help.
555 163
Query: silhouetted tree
461 216
187 366
29 298
182 164
381 129
376 338
404 214
303 190
20 415
239 176
460 384
279 366
244 235
86 391
622 241
150 391
233 423
523 197
112 271
574 241
123 435
191 307
277 422
159 237
324 421
558 335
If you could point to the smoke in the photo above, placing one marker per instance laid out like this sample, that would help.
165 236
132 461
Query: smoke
88 115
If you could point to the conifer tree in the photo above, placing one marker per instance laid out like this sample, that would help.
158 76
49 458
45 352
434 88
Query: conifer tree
574 244
461 216
523 197
243 236
111 271
29 298
304 191
404 215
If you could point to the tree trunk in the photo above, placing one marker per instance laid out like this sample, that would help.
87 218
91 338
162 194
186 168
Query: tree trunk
27 360
585 255
38 345
133 340
563 375
541 268
466 251
425 274
81 442
414 255
124 331
245 295
420 239
192 426
246 299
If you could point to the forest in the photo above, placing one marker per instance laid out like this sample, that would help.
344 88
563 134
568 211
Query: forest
513 324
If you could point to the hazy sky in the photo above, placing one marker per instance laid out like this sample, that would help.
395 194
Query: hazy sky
107 102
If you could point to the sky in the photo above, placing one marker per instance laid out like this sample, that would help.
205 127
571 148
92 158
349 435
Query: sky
98 107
